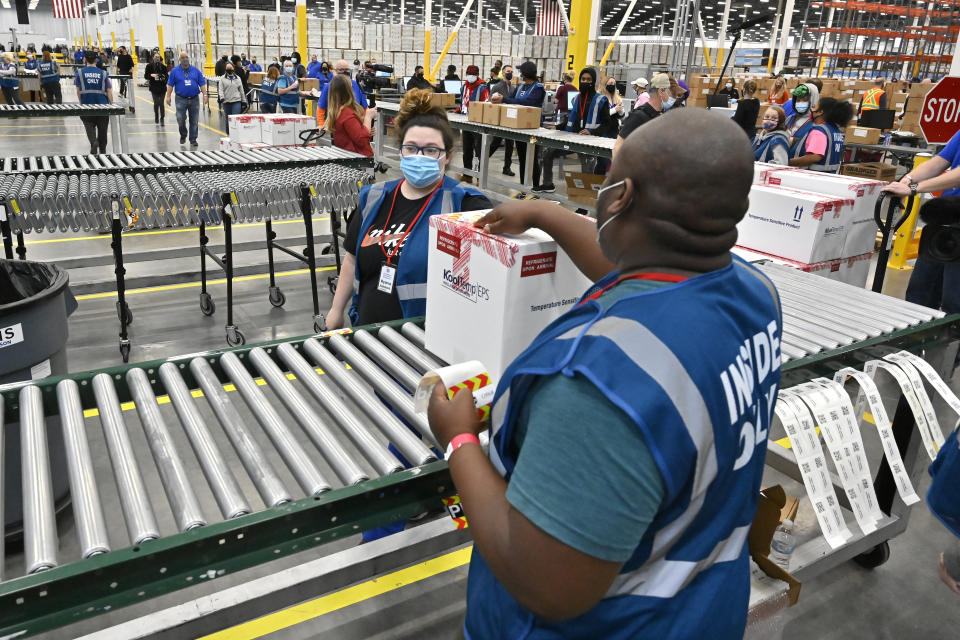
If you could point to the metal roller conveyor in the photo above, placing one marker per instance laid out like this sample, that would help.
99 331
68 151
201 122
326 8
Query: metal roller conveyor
333 452
418 358
383 385
391 362
173 474
39 520
141 523
251 455
225 488
87 509
414 334
411 447
303 469
378 455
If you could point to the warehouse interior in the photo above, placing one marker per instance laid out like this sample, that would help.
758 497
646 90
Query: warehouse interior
207 432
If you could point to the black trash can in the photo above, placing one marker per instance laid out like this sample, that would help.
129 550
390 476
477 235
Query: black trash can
35 300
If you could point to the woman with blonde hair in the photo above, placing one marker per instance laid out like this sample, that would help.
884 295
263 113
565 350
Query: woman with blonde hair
350 127
779 94
772 142
9 84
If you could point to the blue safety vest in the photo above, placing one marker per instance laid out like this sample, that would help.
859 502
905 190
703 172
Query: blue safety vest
592 112
797 150
763 147
704 405
268 91
9 82
30 65
93 86
943 498
291 98
833 158
49 72
411 279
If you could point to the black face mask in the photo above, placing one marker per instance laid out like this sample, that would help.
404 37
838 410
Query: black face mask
611 88
586 87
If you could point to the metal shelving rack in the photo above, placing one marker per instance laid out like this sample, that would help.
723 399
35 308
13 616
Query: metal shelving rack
905 38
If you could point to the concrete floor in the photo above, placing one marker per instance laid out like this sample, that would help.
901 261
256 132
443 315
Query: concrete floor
901 599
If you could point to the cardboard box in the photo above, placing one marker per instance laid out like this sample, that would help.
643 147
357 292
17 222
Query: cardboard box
796 225
279 130
859 228
518 117
256 77
246 127
583 187
863 135
489 296
475 114
897 101
443 99
853 271
301 124
308 84
491 114
873 170
920 90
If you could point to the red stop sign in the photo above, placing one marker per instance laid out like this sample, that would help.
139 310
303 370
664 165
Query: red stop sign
940 118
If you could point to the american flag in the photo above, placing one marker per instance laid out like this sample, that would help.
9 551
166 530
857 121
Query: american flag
67 8
549 22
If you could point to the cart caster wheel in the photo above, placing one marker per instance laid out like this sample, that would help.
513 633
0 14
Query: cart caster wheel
125 350
207 306
235 337
332 284
277 298
875 557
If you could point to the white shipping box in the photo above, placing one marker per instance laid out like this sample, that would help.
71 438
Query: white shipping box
853 271
246 127
279 130
796 225
489 296
860 229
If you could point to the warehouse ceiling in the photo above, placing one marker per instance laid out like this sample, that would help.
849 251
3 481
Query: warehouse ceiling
649 17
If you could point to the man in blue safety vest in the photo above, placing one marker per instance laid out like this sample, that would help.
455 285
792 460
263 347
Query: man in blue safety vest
627 443
93 87
189 84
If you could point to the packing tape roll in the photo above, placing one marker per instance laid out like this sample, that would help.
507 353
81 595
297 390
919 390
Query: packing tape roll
471 376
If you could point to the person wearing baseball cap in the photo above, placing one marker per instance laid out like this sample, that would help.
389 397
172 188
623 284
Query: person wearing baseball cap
528 93
663 91
640 86
474 90
805 100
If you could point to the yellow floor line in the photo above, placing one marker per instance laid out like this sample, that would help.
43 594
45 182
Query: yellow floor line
344 598
166 231
189 285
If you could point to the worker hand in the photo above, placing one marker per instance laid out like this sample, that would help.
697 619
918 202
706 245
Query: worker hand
206 99
897 188
584 132
496 98
450 418
619 109
941 568
167 102
371 114
513 217
333 320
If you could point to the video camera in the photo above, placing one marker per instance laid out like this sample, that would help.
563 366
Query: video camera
940 240
368 76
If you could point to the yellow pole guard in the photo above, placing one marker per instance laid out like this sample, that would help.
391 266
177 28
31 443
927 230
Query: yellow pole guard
163 54
578 41
443 54
706 56
901 244
916 64
720 53
99 40
208 65
133 49
606 54
302 30
823 63
113 40
426 51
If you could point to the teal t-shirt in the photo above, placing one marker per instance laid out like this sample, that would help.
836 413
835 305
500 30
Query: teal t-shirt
584 473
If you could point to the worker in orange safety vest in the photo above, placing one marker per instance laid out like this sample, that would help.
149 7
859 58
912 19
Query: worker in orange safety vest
875 98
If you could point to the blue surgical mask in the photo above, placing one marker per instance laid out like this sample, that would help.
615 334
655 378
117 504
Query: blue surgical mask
420 171
767 125
288 71
801 107
669 102
611 218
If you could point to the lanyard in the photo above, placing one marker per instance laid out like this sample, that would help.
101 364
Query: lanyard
426 204
662 277
583 106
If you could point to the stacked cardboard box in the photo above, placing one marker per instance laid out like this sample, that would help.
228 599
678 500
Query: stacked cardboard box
911 116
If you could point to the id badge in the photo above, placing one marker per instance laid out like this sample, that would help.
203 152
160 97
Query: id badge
186 83
388 274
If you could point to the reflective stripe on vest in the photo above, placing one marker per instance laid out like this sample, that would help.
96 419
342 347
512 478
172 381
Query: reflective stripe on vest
833 158
52 72
272 91
765 148
87 90
797 151
593 116
871 99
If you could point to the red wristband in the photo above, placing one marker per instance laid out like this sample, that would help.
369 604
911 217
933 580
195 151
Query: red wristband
459 441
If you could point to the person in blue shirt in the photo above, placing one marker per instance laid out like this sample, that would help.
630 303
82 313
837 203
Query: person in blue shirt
49 72
934 284
314 63
9 84
254 67
288 88
189 84
627 443
78 56
529 93
589 116
31 64
93 87
341 67
321 72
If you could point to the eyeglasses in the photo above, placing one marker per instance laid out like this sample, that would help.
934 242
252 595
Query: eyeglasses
412 150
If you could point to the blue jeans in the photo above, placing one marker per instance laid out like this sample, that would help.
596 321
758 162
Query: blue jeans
286 109
230 109
189 106
935 285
